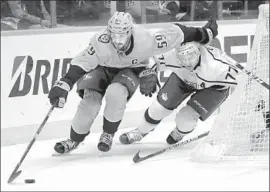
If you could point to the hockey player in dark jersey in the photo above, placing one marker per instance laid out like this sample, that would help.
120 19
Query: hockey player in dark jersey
111 67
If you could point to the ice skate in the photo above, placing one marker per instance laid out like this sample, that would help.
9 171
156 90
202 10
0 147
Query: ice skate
105 142
174 137
131 136
65 146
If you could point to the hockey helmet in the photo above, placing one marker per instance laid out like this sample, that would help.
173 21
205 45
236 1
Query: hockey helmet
188 55
120 27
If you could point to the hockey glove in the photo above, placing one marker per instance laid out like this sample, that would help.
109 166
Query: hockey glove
148 82
59 92
209 31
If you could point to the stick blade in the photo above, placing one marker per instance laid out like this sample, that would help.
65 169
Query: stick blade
14 176
137 158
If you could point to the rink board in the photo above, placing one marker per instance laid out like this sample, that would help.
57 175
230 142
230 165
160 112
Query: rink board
31 61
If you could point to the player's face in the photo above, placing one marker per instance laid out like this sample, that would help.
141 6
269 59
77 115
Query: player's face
120 40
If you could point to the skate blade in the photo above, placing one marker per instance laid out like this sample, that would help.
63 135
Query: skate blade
55 154
101 155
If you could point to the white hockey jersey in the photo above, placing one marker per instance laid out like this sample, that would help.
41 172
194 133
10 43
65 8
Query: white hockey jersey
213 70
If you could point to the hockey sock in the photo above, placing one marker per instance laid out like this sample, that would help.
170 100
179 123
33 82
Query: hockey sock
110 127
148 123
76 136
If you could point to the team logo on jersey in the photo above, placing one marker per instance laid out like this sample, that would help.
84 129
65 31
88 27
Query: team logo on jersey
134 61
104 38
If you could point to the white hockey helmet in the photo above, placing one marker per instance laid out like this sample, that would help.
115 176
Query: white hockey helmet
120 27
188 55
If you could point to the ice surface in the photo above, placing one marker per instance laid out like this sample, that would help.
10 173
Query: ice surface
84 170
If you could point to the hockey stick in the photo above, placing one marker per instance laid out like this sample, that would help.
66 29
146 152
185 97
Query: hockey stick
250 74
15 172
137 158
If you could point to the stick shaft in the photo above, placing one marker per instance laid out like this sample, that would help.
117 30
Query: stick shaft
253 76
181 143
32 141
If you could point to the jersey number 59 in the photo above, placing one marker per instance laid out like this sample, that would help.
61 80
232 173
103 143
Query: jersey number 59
161 41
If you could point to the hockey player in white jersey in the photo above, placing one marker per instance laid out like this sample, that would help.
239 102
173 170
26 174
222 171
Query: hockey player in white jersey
200 71
112 66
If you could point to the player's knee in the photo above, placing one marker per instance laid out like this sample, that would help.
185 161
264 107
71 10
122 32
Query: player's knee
156 112
116 93
91 99
87 111
116 100
186 119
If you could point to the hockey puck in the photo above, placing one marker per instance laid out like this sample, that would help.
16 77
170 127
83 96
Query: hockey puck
29 181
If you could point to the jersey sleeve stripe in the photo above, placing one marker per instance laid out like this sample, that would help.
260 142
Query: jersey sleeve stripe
217 82
217 59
